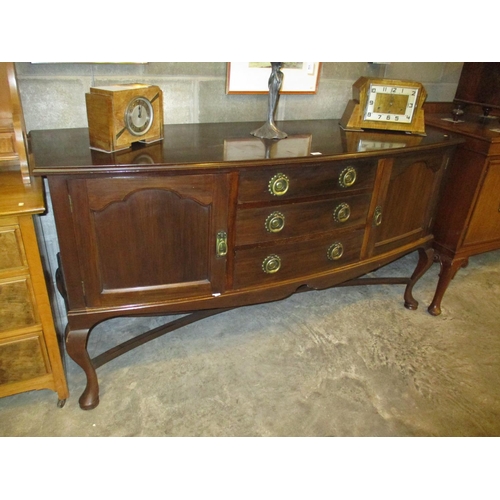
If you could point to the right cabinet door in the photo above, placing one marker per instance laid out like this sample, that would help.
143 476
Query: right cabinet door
406 200
485 221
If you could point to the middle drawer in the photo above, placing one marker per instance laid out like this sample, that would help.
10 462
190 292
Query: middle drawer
272 222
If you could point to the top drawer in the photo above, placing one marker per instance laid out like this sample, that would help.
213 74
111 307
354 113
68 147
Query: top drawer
303 181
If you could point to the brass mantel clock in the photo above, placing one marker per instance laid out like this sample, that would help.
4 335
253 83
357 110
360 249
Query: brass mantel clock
384 104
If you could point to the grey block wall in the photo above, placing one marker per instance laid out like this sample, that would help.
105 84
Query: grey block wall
53 95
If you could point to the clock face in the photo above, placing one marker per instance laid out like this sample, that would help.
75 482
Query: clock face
386 103
139 116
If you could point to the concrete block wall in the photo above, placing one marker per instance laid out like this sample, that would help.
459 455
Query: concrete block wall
53 94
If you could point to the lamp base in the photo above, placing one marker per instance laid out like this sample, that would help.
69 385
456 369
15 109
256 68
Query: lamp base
269 131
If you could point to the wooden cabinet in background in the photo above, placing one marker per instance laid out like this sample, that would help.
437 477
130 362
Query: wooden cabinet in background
30 355
468 217
13 138
212 219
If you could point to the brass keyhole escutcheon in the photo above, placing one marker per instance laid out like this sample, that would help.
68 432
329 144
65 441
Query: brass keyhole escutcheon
342 212
275 222
279 184
221 244
347 177
335 251
271 264
377 216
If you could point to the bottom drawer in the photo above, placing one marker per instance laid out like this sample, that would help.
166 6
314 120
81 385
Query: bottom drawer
290 260
22 358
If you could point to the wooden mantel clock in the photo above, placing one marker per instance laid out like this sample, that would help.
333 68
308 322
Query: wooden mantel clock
384 104
119 115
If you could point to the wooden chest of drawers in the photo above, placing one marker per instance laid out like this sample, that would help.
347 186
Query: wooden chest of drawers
30 357
214 219
23 352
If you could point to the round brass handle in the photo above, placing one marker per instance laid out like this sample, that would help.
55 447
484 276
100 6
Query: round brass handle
279 184
335 251
275 222
342 212
271 264
347 177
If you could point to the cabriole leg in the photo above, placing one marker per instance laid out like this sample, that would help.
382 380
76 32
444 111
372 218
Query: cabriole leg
425 259
76 345
449 268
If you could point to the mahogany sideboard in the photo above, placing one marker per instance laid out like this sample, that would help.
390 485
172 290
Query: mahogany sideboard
468 216
212 218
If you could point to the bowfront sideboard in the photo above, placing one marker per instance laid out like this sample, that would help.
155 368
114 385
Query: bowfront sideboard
212 218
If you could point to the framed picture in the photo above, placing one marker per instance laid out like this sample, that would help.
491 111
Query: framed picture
252 77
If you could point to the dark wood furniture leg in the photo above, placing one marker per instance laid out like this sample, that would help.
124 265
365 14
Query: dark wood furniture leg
425 260
449 268
76 346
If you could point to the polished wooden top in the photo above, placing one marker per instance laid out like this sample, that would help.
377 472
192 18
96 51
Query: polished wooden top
471 125
18 197
219 145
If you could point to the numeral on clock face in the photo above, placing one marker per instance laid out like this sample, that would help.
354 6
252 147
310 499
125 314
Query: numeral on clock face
390 104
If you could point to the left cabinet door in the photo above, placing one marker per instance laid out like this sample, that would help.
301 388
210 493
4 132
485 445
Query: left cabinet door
143 239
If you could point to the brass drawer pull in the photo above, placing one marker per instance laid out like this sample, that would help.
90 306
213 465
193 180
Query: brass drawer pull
342 213
335 251
377 216
279 184
271 264
221 244
347 177
275 222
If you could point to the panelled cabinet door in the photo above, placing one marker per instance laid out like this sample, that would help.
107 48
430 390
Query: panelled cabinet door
144 239
484 226
407 199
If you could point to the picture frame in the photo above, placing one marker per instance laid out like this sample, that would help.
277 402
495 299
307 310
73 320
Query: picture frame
252 77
